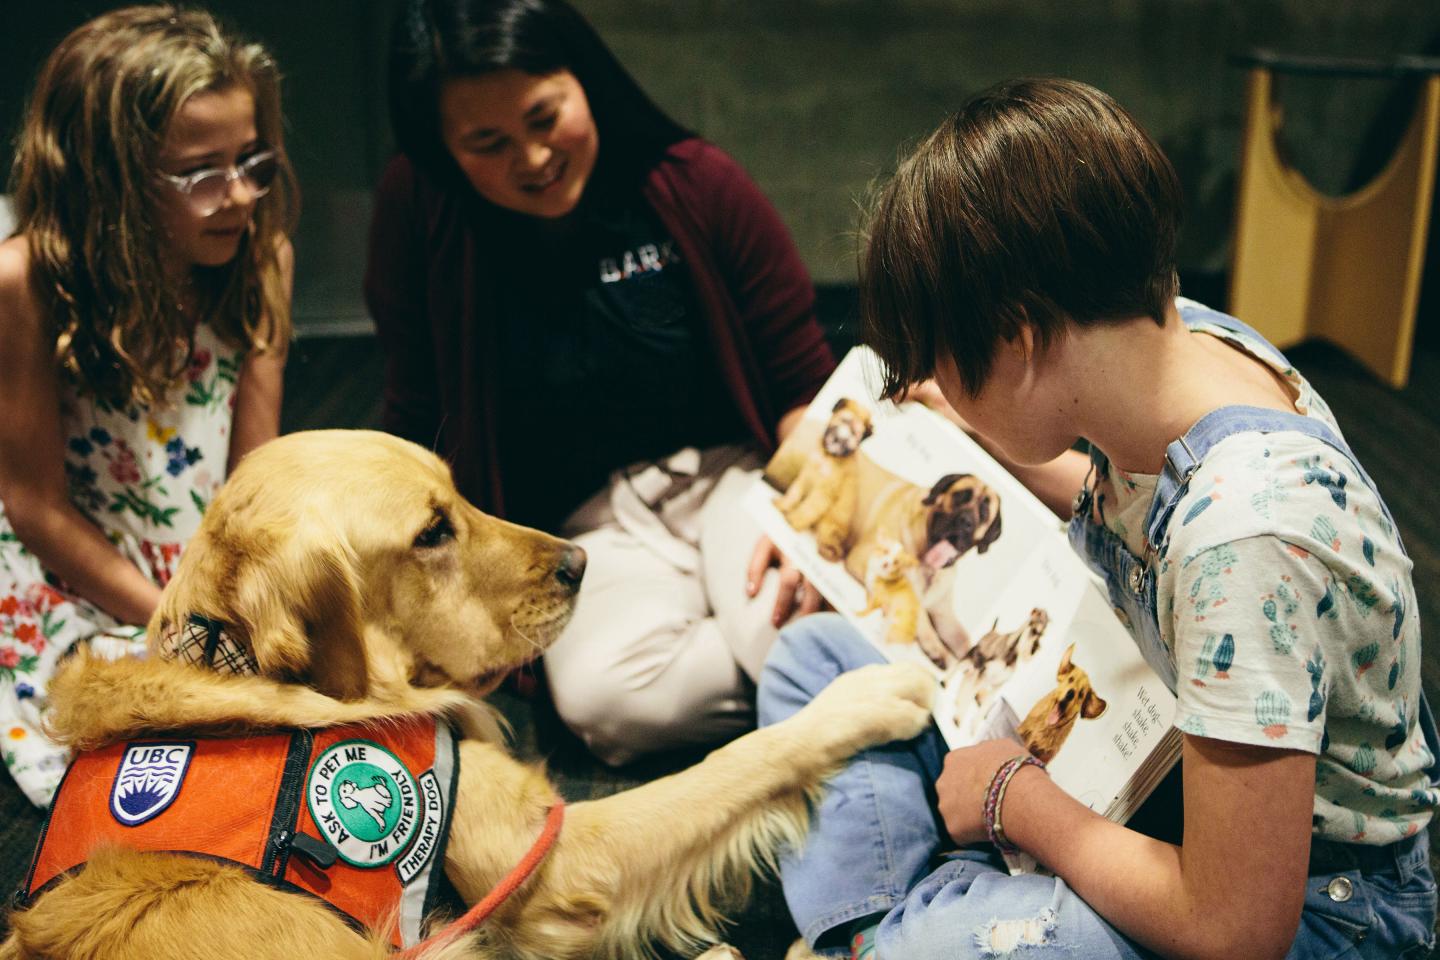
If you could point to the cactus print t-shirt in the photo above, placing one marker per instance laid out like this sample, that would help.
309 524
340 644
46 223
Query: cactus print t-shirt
1286 601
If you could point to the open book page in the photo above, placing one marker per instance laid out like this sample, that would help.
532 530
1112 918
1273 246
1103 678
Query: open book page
939 556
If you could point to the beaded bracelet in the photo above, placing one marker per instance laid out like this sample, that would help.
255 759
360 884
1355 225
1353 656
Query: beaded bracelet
995 796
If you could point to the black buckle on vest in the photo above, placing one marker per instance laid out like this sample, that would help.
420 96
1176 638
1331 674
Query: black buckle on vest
318 852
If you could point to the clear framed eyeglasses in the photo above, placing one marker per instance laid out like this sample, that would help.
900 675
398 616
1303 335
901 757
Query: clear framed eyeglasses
205 190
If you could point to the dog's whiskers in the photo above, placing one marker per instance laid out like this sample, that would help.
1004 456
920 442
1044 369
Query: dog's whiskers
514 625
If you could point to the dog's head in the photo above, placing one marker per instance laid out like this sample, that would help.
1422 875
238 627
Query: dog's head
963 512
346 561
1073 697
849 424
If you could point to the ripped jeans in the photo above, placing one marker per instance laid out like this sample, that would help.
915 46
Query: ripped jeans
874 849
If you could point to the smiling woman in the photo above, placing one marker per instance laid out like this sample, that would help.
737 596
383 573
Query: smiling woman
600 321
145 311
525 143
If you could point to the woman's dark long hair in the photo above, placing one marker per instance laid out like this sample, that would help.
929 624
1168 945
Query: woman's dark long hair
439 40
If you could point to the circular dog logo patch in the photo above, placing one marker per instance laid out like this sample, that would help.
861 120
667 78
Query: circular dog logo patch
364 801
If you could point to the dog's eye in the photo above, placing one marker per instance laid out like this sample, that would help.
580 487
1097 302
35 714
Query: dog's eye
439 530
964 497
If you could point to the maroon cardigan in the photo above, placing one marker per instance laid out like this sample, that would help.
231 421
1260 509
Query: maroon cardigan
434 309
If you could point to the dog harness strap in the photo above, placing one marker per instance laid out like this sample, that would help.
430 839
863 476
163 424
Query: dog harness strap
477 914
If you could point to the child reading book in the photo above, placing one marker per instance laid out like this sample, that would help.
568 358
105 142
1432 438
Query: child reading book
1023 257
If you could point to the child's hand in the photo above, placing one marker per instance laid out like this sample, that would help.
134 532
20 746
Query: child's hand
964 781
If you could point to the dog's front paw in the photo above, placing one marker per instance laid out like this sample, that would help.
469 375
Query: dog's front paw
872 705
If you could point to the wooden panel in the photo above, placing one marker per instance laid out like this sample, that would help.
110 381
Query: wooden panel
1346 269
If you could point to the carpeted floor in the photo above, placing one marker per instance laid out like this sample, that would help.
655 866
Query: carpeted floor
336 383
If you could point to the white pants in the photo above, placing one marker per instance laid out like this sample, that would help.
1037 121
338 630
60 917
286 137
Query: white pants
665 646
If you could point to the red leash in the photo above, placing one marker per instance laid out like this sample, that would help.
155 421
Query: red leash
477 914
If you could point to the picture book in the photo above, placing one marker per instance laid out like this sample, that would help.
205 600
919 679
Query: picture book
939 556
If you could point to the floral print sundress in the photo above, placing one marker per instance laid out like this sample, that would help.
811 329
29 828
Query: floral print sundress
144 476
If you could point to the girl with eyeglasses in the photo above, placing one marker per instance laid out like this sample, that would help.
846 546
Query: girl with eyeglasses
145 312
601 322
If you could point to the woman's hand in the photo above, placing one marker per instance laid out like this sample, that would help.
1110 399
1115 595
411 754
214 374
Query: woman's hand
796 597
966 779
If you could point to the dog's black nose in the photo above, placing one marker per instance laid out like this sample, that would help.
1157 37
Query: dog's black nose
572 568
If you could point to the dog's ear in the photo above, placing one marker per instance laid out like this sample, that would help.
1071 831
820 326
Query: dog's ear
989 507
299 604
840 404
1093 707
940 487
1064 667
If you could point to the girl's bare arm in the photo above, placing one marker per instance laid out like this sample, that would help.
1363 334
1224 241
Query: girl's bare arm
1234 889
261 389
33 486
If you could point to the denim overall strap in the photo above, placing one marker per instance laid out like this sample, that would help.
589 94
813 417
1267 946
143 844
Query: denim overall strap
1194 311
1183 458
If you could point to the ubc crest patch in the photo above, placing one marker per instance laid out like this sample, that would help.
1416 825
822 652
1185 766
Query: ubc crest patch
148 780
366 804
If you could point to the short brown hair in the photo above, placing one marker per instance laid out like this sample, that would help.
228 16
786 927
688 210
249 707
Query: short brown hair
1040 202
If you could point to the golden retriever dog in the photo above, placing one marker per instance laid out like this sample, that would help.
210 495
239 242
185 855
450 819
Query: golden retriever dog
823 496
1048 724
992 661
356 588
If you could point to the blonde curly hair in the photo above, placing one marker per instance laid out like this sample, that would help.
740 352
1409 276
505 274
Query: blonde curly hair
85 195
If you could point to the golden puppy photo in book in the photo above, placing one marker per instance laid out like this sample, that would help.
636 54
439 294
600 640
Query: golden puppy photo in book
822 498
1048 724
890 588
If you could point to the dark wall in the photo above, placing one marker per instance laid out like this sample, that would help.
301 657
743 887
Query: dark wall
816 97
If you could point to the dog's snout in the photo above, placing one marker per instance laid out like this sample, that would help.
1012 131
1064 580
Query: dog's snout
572 568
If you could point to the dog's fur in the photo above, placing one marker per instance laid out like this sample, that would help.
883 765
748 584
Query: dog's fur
368 590
823 497
1049 722
992 661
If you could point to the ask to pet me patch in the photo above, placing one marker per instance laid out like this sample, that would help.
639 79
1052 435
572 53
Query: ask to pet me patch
366 803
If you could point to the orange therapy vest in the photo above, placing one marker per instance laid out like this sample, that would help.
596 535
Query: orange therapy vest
358 816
